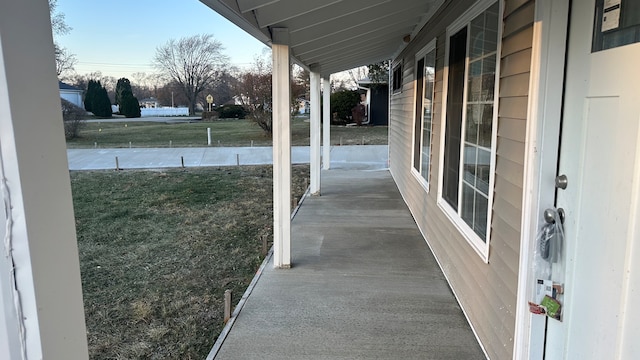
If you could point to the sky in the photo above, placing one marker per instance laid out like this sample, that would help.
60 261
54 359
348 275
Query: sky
120 37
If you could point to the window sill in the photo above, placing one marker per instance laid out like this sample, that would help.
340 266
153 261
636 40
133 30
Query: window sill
476 243
420 179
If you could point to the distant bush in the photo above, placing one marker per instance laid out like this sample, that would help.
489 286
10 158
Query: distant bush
210 115
73 117
231 112
342 102
262 118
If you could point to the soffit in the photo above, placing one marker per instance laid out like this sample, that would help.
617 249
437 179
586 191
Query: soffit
329 36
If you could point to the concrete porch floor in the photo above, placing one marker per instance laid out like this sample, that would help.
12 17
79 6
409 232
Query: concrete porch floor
363 285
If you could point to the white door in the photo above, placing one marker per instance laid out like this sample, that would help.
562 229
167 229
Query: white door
599 154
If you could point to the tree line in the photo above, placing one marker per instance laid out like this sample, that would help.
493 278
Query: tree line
188 70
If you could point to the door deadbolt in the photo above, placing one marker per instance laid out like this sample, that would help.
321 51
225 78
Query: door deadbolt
561 181
550 215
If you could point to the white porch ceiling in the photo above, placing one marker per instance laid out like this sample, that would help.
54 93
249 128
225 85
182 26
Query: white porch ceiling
329 36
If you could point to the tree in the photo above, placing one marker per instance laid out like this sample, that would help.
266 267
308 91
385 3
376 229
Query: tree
123 85
101 104
143 85
169 95
254 87
223 89
343 101
193 63
129 105
97 100
355 75
73 117
379 72
82 82
300 87
65 60
58 23
90 94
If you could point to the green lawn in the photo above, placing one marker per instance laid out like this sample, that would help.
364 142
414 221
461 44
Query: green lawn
223 133
159 248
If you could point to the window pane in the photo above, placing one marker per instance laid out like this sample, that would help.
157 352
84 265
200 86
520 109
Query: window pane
474 118
417 130
474 211
474 92
485 126
427 112
477 38
453 129
480 216
470 160
618 33
482 80
468 201
491 29
483 171
488 77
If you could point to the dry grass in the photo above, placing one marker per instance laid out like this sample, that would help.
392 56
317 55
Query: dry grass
223 133
158 250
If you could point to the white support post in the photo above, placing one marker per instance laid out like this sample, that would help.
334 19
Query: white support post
281 149
40 288
315 133
326 120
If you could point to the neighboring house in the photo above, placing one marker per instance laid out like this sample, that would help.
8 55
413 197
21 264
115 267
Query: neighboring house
304 106
149 103
482 95
71 94
377 101
238 100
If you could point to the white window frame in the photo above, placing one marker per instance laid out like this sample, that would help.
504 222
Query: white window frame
481 247
431 46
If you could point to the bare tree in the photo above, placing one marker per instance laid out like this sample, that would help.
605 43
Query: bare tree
58 24
223 89
254 89
357 74
300 87
65 61
194 63
82 81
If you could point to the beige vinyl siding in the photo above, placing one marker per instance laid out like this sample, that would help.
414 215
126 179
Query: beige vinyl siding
487 292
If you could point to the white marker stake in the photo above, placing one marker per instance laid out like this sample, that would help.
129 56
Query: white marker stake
209 136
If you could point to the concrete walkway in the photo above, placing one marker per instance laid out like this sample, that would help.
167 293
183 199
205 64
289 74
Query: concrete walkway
363 285
354 157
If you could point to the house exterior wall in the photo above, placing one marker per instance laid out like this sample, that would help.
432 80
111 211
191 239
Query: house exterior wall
72 96
486 291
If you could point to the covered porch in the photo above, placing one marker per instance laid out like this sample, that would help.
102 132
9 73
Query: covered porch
363 285
352 290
